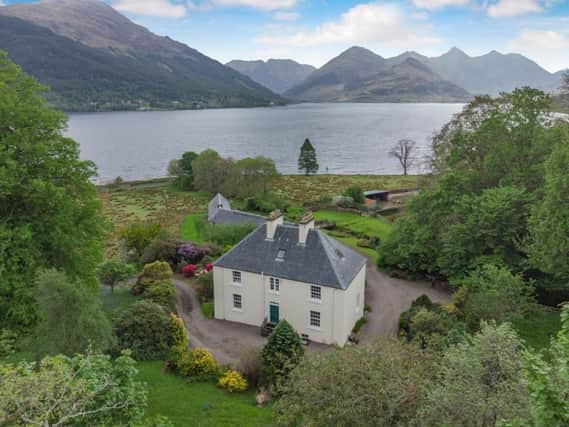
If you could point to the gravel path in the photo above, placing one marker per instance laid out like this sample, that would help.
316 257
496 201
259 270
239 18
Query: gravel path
388 298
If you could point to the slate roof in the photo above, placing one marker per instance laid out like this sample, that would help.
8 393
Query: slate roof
231 217
215 204
322 260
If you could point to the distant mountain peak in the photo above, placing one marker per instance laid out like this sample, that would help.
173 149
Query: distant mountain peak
455 51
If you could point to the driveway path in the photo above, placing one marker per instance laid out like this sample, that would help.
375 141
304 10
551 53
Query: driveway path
226 340
388 298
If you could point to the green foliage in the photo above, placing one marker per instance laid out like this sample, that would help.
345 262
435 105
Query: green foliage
71 317
226 235
232 381
145 329
162 250
50 216
251 365
162 293
494 293
113 271
489 164
82 390
356 193
478 382
206 281
182 170
212 173
307 162
158 271
253 175
8 340
361 321
548 380
282 352
139 235
379 385
549 225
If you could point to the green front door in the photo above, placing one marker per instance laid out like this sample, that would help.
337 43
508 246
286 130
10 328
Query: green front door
274 313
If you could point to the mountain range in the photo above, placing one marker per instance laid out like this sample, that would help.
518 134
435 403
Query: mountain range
95 59
361 75
279 75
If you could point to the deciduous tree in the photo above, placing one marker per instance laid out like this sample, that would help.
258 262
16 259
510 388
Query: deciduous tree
404 152
50 215
183 171
113 271
71 317
212 172
253 176
61 391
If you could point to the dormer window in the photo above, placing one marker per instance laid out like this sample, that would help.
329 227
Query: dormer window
281 255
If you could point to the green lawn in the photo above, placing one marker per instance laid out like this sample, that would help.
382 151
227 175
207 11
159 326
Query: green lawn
119 299
198 404
357 224
352 242
191 229
538 329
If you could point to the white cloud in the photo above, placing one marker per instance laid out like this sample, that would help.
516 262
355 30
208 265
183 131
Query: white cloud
286 16
371 23
548 48
439 4
510 8
265 5
156 8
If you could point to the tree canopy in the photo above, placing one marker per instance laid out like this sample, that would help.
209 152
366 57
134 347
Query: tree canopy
183 171
49 211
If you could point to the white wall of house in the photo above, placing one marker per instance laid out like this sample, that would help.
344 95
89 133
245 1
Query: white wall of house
339 309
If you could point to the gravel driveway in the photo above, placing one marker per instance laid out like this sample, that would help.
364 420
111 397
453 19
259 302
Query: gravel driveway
388 298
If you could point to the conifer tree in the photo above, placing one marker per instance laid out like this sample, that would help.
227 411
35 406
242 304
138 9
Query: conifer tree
307 162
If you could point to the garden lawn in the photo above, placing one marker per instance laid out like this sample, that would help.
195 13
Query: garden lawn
538 329
352 242
198 404
191 229
120 299
356 224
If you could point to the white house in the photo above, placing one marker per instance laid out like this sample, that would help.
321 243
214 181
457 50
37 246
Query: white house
292 272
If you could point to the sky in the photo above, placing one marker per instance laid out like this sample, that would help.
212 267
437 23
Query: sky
314 31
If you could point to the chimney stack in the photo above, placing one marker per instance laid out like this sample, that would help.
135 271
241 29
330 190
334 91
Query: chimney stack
305 225
275 219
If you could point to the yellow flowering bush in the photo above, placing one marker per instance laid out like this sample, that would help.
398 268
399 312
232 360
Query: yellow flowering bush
201 364
232 381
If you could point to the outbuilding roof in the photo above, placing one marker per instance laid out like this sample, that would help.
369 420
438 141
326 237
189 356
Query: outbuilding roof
322 260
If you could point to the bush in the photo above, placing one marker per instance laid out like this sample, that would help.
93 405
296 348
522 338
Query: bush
191 253
361 321
7 342
145 328
251 365
206 282
367 308
180 341
280 355
139 235
199 364
224 235
162 293
162 250
157 271
232 381
355 193
189 270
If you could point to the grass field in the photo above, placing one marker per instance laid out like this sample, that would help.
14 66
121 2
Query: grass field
198 404
191 229
301 189
356 224
538 329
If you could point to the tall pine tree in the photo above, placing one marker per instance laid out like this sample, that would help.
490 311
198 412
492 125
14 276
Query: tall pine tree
307 162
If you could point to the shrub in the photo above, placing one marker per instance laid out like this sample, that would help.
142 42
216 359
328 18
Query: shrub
367 308
199 364
281 354
162 250
232 381
7 342
193 254
355 193
189 270
162 293
155 272
179 346
361 321
139 235
206 281
145 329
224 235
251 365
